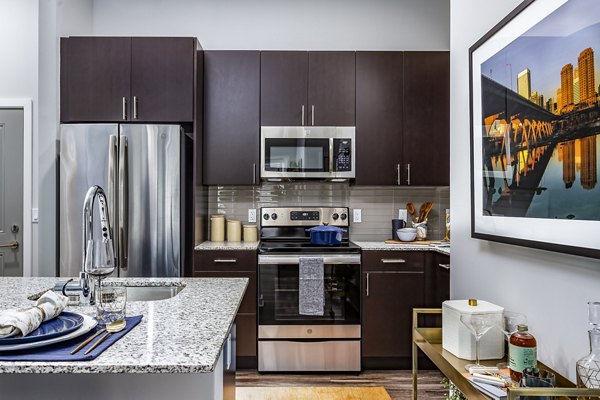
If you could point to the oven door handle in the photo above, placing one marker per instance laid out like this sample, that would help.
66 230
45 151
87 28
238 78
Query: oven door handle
294 259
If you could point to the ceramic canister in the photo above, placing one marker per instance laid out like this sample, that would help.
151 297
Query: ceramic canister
234 230
250 233
217 228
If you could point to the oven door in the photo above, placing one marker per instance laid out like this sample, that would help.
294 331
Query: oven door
278 297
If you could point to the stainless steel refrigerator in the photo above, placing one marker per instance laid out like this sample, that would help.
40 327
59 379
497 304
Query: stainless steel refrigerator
141 168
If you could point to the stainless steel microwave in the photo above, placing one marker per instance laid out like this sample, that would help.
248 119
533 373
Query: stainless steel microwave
307 152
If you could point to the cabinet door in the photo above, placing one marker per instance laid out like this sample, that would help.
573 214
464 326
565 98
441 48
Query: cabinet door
283 88
379 117
426 118
95 77
331 88
231 117
442 279
388 300
162 79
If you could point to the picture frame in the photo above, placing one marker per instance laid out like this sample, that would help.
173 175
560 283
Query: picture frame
535 128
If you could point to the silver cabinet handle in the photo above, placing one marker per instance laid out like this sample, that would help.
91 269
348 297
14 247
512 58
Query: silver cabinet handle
123 202
313 114
367 284
124 102
393 260
13 244
254 173
398 174
302 114
225 261
445 266
408 174
135 107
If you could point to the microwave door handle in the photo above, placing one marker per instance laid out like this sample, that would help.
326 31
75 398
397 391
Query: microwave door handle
331 164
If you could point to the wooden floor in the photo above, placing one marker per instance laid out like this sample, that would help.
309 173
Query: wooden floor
398 384
311 393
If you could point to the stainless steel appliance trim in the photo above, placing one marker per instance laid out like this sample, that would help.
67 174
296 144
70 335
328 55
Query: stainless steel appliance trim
393 260
313 115
326 214
135 107
309 331
295 259
309 356
225 261
123 233
408 174
367 284
113 156
124 105
445 266
331 155
302 132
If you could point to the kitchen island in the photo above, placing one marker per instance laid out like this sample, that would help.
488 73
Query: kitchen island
176 351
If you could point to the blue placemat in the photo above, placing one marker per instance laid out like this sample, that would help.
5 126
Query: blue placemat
62 351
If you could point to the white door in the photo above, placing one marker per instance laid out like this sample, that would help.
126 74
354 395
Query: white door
11 192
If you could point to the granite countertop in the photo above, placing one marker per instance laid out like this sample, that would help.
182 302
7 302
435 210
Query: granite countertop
183 334
440 248
208 245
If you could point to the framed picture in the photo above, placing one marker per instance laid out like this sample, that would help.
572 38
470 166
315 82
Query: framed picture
535 128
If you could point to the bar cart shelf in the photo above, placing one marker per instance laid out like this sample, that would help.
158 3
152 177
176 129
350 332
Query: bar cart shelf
429 340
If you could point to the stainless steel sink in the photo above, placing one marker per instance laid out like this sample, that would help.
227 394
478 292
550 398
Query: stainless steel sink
152 293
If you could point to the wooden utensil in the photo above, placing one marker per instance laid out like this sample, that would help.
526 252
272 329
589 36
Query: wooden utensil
421 212
111 328
427 210
410 208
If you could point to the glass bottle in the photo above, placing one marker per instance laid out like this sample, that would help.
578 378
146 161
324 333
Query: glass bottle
588 368
522 352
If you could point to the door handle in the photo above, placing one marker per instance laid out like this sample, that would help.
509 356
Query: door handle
302 114
254 173
135 106
312 114
367 284
123 203
10 245
225 261
398 174
393 260
407 174
445 266
113 151
124 102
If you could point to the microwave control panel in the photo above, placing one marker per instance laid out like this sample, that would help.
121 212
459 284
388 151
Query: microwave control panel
342 155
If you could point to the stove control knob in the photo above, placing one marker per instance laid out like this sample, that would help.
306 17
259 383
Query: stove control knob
344 216
273 216
266 216
335 216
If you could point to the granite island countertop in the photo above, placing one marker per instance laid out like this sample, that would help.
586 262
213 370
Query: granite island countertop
208 245
183 334
372 245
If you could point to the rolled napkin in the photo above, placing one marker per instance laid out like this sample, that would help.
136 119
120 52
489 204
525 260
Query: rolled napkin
23 321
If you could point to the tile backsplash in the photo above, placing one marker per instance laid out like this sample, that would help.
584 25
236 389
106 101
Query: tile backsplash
379 204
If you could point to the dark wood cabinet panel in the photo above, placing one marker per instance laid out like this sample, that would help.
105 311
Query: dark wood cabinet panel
231 117
403 261
331 88
442 279
246 335
387 313
95 78
379 116
225 260
162 78
427 117
283 88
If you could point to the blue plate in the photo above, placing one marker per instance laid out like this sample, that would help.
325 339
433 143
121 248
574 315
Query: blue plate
65 323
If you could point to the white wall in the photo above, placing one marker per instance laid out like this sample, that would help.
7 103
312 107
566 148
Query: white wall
552 289
283 24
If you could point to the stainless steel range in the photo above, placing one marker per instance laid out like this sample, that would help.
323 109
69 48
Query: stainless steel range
288 338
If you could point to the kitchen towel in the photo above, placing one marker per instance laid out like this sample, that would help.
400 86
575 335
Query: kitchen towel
311 291
62 351
23 321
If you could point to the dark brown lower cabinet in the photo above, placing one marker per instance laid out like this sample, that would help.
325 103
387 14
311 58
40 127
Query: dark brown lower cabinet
393 284
235 264
442 278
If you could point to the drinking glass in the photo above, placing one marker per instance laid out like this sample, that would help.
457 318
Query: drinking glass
511 320
111 304
479 324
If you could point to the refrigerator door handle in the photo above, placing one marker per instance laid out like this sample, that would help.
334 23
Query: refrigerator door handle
123 202
113 150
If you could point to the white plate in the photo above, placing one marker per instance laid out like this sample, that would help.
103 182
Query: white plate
89 323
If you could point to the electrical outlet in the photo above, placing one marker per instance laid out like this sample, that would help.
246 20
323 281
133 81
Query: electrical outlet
357 215
403 214
252 215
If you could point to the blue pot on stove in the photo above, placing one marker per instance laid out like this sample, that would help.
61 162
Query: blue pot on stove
324 235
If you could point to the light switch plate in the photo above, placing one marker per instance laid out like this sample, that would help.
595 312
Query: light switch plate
35 215
357 213
252 215
403 214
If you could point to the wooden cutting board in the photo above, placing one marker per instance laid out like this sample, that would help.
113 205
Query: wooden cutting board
423 242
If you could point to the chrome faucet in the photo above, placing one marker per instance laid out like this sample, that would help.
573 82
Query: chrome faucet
93 192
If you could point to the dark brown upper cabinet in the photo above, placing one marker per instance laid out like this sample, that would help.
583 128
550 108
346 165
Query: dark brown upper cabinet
402 118
307 88
112 79
231 117
426 148
379 117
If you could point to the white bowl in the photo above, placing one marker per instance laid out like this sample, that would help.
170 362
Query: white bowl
407 234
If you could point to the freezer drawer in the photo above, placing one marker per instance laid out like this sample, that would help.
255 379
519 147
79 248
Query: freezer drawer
329 355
